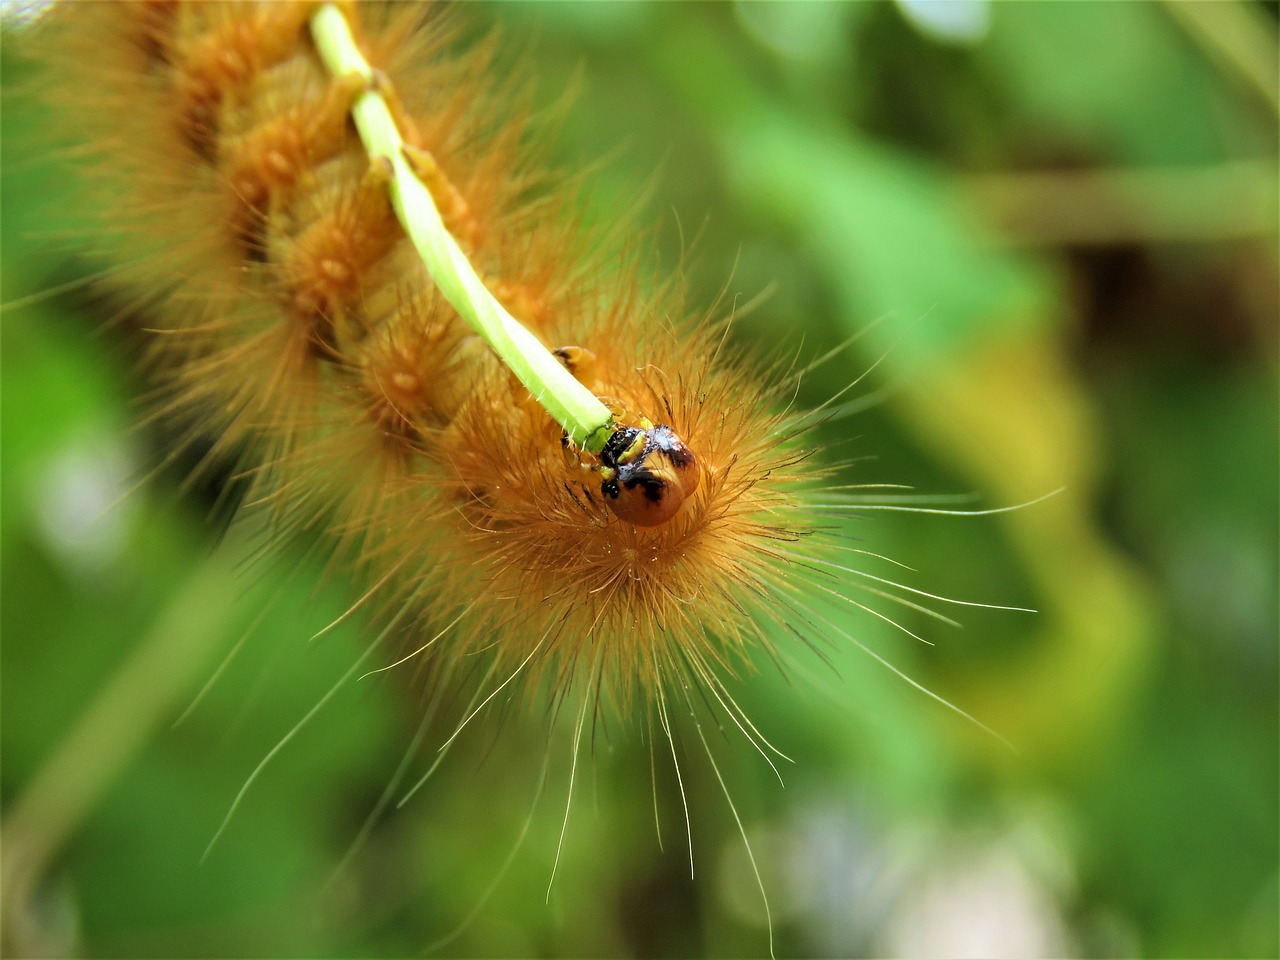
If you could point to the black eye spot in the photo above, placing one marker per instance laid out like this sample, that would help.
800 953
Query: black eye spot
652 487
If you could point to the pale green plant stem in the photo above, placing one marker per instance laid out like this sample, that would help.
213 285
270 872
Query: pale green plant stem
1238 35
584 418
114 726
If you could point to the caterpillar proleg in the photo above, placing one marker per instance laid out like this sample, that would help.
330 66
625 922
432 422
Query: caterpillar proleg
620 533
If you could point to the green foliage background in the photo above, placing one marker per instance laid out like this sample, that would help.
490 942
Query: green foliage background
1066 229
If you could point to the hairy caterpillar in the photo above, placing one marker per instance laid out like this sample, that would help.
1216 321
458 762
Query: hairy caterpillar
305 329
322 345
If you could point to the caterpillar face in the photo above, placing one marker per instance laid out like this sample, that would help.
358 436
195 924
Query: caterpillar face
647 473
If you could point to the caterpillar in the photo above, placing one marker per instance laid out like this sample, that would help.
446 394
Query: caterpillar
297 325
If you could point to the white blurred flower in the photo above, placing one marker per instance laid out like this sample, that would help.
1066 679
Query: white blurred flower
984 905
81 504
949 21
20 13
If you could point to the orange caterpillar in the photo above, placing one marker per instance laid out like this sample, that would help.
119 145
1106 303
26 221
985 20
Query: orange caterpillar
305 329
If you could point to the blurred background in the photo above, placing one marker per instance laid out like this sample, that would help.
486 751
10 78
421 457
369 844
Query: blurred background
1062 220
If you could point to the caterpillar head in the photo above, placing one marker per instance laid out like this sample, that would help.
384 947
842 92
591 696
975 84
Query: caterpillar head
646 473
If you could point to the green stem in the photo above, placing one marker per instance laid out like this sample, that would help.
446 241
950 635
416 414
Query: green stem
585 419
110 731
1239 36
